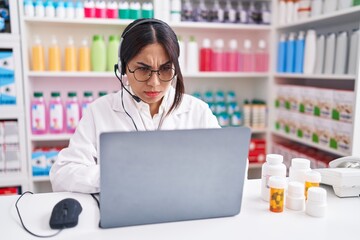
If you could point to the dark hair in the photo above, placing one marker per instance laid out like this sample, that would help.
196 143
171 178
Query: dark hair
150 32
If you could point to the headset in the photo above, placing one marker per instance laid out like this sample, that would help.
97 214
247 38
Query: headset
119 66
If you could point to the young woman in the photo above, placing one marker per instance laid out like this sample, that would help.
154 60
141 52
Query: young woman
152 98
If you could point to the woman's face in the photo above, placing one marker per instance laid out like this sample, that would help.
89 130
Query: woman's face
152 91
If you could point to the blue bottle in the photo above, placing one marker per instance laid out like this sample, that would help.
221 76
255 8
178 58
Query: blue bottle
299 52
290 53
281 63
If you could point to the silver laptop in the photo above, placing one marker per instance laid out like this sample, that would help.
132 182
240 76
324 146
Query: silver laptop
165 176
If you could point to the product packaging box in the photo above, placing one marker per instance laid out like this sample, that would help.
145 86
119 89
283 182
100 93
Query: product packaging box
306 127
324 103
307 100
322 131
281 96
38 162
257 150
51 156
7 79
2 159
12 158
343 107
280 120
342 136
294 98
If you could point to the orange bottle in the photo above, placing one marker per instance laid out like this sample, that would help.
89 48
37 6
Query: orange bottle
84 57
54 56
37 55
70 56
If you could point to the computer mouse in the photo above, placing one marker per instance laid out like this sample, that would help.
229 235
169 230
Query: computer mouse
65 214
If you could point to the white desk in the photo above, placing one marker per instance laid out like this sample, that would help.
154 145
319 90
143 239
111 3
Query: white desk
254 222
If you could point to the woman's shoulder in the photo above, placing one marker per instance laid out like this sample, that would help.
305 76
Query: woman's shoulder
193 102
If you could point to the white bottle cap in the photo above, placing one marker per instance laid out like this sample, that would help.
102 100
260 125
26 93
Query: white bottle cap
292 36
53 40
233 44
262 44
277 182
274 158
70 41
300 163
206 43
219 43
301 35
295 199
247 44
316 202
313 176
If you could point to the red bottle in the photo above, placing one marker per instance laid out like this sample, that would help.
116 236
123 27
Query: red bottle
206 55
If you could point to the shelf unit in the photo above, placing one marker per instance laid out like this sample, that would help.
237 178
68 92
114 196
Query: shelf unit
245 85
345 19
11 41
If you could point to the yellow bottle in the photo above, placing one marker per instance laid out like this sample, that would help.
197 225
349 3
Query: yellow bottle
84 57
37 56
70 56
54 56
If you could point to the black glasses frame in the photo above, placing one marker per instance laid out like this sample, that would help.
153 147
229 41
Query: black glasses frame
151 73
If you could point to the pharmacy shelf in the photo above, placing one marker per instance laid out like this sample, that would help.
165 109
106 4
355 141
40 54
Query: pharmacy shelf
12 180
316 76
9 37
50 137
41 178
341 16
48 74
122 22
9 112
318 146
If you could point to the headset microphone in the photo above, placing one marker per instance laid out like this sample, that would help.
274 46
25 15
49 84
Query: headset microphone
136 98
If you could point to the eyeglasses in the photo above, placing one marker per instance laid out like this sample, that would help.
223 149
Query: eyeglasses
143 74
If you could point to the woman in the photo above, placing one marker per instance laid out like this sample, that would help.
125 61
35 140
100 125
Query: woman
148 55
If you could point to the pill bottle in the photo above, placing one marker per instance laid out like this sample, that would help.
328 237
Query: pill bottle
295 198
316 203
277 186
272 167
298 169
312 179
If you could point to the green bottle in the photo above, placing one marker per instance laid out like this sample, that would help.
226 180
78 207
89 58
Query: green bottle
356 2
112 52
98 54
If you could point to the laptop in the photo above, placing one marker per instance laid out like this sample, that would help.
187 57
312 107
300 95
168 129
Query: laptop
173 175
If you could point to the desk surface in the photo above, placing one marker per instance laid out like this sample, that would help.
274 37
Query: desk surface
254 222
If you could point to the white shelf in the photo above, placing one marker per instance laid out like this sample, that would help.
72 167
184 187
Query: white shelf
316 76
9 37
226 75
51 137
318 146
41 178
9 112
122 22
341 16
12 179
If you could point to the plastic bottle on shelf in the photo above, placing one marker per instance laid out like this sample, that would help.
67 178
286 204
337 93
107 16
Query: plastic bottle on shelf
320 54
282 12
316 8
187 11
330 6
218 56
175 11
265 12
98 54
273 166
112 9
310 52
290 11
296 9
49 9
254 14
248 56
112 52
135 10
353 50
70 56
39 9
100 9
84 56
89 8
54 55
206 55
299 52
38 55
38 114
102 93
182 54
87 99
124 10
232 57
247 113
261 57
230 13
69 10
147 10
60 11
192 56
56 114
330 44
29 8
242 13
341 53
281 61
72 112
79 10
201 13
290 53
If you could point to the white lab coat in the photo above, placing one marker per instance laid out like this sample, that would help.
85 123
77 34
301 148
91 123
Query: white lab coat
77 167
